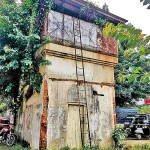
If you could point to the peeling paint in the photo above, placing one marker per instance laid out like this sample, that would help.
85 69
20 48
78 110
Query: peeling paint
60 28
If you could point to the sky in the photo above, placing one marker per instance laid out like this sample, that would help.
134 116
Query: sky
131 10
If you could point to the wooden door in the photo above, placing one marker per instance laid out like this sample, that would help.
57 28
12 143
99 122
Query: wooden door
73 126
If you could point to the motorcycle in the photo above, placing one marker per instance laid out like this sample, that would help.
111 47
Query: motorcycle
7 132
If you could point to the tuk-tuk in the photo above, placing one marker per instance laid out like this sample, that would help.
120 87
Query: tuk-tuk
128 120
140 126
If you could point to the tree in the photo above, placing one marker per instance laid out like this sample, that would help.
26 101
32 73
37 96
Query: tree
105 7
4 104
132 74
19 40
146 2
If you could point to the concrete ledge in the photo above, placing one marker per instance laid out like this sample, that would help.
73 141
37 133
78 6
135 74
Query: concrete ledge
69 53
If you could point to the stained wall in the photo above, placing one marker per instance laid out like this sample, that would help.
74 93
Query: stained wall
59 107
62 91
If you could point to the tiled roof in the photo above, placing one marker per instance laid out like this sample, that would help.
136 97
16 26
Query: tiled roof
73 7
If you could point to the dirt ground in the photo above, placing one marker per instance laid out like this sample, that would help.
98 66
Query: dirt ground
131 143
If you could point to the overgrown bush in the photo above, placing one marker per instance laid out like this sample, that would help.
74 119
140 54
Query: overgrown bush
118 135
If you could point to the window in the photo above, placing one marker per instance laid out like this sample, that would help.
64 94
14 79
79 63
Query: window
5 121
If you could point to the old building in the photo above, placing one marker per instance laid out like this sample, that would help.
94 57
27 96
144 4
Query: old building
77 100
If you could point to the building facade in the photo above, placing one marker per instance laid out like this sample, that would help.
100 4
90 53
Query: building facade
51 119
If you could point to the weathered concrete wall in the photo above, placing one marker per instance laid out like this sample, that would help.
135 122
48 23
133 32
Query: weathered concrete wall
61 127
62 92
59 27
98 67
29 119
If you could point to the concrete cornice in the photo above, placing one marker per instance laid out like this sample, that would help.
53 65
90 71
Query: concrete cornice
69 53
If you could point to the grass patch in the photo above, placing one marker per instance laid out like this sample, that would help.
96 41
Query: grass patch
140 147
136 147
15 147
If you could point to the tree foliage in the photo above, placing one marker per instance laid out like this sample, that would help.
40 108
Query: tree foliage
132 74
105 7
4 104
19 40
89 14
146 2
143 109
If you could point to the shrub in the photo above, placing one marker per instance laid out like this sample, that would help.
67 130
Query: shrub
65 148
118 135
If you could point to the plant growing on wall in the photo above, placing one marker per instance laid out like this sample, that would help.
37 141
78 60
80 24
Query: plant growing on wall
89 14
100 22
132 74
105 7
20 30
